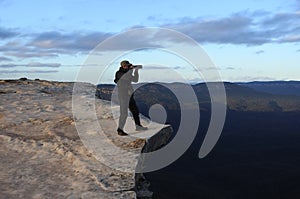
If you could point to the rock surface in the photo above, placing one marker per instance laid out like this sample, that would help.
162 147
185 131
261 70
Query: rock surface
42 155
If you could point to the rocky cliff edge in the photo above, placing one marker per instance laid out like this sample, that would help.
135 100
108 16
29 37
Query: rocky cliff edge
48 151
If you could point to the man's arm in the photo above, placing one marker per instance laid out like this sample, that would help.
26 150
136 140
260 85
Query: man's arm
116 78
135 77
128 76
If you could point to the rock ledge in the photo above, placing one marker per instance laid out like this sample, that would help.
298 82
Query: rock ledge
43 155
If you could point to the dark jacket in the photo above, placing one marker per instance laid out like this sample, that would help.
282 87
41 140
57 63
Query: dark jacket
123 79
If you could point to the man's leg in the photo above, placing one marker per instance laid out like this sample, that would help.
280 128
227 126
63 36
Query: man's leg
123 114
134 110
135 113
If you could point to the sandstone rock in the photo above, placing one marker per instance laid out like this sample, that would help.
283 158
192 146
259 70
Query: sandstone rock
42 155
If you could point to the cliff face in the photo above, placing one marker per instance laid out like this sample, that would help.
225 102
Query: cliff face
43 156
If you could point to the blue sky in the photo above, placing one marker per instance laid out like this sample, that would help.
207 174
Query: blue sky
247 40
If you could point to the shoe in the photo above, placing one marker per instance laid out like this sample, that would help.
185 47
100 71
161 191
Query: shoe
140 128
121 132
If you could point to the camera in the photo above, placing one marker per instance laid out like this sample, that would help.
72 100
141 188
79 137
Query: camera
137 66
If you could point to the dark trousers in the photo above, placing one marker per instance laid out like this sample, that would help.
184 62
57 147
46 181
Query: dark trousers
125 103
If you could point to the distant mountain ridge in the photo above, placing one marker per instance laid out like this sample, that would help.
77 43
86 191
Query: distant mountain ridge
240 96
275 87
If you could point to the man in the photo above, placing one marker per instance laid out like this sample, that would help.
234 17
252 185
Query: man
124 76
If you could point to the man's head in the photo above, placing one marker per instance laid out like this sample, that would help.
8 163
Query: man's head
125 64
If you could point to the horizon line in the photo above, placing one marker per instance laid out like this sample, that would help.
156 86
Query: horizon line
192 82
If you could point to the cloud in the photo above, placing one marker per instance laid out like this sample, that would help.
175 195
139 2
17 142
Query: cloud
281 20
236 29
4 59
19 49
8 65
52 44
243 28
156 68
290 39
29 53
209 68
230 68
32 64
285 27
39 64
27 71
66 43
152 18
7 33
259 52
133 40
178 67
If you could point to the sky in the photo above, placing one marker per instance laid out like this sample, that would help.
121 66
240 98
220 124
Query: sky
249 40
